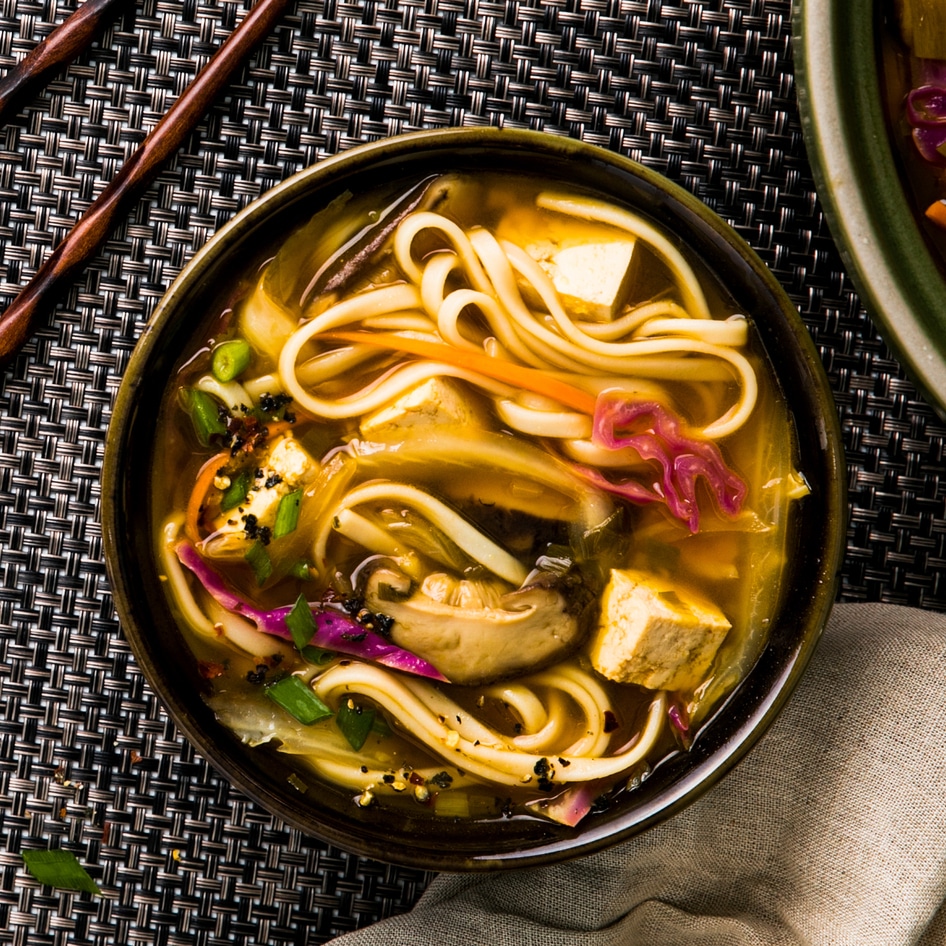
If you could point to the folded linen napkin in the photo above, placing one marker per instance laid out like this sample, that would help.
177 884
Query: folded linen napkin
831 831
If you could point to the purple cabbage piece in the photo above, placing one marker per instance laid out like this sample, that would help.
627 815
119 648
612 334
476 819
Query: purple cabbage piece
680 723
926 114
571 806
334 630
682 460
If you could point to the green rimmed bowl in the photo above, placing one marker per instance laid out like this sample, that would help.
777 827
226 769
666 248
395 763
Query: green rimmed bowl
869 211
818 529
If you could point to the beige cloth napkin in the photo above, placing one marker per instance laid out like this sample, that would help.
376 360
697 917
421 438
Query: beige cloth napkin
831 831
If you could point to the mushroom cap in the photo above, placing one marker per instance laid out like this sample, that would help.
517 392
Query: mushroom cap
504 636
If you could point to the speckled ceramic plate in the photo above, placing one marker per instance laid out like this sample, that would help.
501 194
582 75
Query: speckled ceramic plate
870 215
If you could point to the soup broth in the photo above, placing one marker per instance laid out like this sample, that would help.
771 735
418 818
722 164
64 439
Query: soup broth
474 498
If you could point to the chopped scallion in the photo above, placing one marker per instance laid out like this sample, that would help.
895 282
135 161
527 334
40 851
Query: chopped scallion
60 869
230 359
204 410
297 699
259 560
355 722
287 514
300 570
317 655
237 491
300 622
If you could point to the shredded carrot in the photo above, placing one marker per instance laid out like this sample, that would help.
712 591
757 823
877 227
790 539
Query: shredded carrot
530 379
195 503
937 212
276 428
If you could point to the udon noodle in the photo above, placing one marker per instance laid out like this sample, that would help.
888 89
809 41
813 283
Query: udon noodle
476 499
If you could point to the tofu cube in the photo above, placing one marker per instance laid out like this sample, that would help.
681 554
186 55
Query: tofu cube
286 466
435 402
593 279
291 462
654 635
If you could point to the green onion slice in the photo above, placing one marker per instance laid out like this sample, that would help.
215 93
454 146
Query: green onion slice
287 514
318 655
297 699
355 722
230 359
301 623
301 570
237 491
60 869
259 560
204 410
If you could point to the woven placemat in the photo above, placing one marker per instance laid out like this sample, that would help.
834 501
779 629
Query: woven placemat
702 91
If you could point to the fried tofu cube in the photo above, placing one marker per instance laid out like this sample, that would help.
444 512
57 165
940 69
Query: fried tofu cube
655 635
593 279
435 402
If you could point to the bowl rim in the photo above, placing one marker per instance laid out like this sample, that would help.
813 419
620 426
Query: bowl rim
596 835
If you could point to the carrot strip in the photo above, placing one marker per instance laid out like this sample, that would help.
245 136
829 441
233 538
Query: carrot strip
937 212
529 379
276 428
195 503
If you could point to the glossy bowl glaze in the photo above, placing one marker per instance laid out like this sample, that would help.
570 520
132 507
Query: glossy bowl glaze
816 546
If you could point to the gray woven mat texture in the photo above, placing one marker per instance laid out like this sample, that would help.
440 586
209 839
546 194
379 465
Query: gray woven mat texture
702 91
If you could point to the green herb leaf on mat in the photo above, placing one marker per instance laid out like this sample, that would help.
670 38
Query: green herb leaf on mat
59 869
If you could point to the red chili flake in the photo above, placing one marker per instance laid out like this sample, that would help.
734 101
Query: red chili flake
135 757
416 779
610 721
210 669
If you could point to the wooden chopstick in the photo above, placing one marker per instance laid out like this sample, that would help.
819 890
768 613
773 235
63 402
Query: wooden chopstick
65 42
84 239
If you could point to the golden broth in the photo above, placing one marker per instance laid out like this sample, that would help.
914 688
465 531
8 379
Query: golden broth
530 506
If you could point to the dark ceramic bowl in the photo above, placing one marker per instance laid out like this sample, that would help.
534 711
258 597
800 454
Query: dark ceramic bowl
815 553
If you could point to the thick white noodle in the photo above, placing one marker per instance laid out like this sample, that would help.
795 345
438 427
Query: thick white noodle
492 266
413 224
733 331
462 533
494 762
637 316
365 533
522 699
588 454
549 737
543 423
591 698
401 322
389 387
453 307
681 343
433 284
334 363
